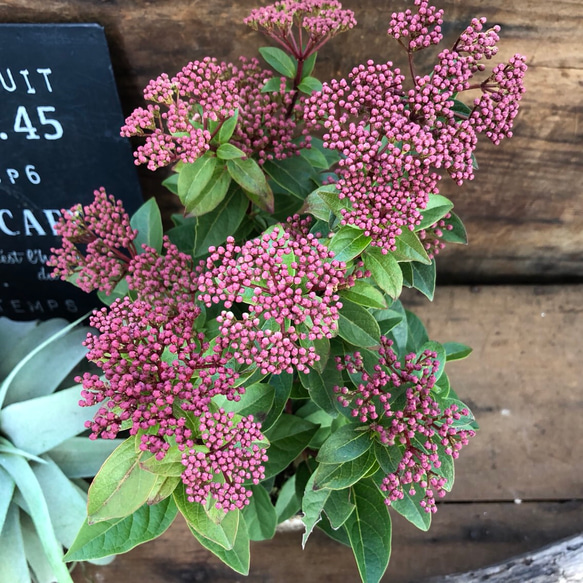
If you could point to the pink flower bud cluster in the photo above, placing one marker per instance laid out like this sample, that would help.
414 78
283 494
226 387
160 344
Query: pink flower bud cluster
289 281
162 279
385 171
190 108
177 127
495 110
417 427
266 128
419 29
431 237
228 449
155 367
392 141
97 244
322 19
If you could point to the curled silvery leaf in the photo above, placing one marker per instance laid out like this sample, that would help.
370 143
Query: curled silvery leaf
43 459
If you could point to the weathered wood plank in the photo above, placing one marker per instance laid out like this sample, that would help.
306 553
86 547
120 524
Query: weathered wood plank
523 211
462 537
523 383
561 562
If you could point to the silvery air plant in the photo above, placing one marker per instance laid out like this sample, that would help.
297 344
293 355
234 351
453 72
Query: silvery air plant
43 457
256 356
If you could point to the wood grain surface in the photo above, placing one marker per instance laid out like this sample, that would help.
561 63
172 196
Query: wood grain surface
519 484
524 210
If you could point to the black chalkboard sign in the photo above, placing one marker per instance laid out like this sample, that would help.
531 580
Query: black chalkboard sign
59 141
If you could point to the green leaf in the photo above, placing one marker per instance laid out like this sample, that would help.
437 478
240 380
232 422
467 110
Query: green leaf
457 234
312 506
309 64
316 206
348 243
228 127
344 445
171 183
169 465
288 438
214 228
315 158
294 175
32 495
256 400
369 531
13 566
424 278
212 195
222 534
437 207
456 351
338 507
272 85
121 486
389 457
238 557
410 248
461 107
163 488
194 178
282 385
41 414
288 502
357 326
409 507
121 290
321 385
260 515
441 355
364 294
119 535
340 476
384 270
279 60
339 535
79 457
229 152
417 334
310 85
248 174
147 220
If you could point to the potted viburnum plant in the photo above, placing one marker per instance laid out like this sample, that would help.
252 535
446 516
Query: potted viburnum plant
256 356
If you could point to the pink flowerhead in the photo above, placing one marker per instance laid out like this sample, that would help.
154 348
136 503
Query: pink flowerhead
495 110
162 279
155 366
97 244
385 171
289 280
321 19
417 29
228 453
417 428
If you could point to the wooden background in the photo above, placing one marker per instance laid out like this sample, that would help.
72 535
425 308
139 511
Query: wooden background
519 484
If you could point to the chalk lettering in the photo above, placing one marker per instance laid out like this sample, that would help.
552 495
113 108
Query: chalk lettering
9 83
3 226
33 222
12 257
